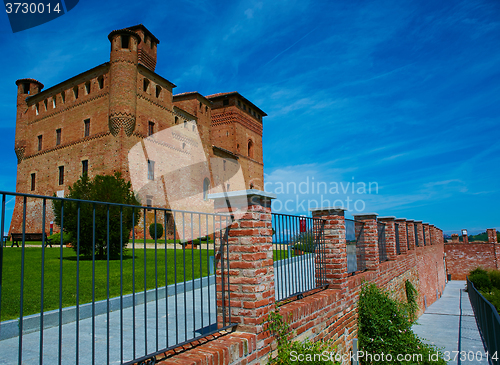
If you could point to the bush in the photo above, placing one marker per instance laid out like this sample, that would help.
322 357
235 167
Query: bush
495 278
295 352
158 230
480 279
113 189
56 238
383 327
411 299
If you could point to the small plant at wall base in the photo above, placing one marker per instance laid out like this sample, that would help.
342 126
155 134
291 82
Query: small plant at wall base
156 230
79 222
295 352
411 299
384 327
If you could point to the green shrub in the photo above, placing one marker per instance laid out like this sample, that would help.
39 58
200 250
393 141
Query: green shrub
480 279
295 352
411 299
493 297
383 327
79 216
56 238
495 278
158 231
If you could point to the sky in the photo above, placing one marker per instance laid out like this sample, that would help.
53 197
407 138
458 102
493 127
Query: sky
399 96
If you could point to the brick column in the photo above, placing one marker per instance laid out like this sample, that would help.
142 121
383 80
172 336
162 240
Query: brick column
390 236
465 238
335 245
432 233
427 233
251 270
403 240
370 238
420 233
455 238
492 235
410 224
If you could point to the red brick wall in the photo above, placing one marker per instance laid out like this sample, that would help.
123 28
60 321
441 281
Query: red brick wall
462 258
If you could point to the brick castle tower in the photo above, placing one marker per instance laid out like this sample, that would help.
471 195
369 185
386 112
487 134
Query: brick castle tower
90 122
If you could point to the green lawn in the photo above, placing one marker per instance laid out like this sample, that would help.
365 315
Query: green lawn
11 276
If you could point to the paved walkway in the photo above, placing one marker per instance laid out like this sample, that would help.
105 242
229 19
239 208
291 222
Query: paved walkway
449 324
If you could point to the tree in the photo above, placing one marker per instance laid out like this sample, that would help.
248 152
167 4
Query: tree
156 230
93 217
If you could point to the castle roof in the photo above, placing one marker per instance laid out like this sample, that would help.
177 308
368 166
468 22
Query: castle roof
235 93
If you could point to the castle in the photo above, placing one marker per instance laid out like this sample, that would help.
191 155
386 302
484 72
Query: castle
90 122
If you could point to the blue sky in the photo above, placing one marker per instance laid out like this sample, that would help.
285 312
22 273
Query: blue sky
401 94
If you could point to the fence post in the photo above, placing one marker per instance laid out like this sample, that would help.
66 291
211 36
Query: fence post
370 235
390 236
410 224
403 240
335 245
420 233
251 271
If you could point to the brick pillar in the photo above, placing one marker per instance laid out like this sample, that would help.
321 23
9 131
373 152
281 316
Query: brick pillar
335 245
454 238
465 238
432 233
410 224
492 235
370 238
440 236
420 234
427 233
390 236
403 240
251 270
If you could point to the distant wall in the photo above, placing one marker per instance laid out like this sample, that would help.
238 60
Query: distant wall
461 258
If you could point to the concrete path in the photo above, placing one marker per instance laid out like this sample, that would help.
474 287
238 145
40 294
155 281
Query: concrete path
449 324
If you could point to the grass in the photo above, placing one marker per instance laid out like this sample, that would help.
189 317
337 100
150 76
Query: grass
138 241
11 276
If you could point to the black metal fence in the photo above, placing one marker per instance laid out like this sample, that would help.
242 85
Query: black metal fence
398 247
299 255
382 250
112 297
356 260
488 322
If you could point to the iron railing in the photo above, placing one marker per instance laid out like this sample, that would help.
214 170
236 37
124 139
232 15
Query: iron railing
488 322
127 300
382 250
416 234
396 229
299 255
356 259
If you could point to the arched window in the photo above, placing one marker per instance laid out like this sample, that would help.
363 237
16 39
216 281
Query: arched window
250 148
206 188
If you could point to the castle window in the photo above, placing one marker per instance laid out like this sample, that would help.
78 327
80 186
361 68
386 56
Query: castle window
153 44
206 188
176 120
206 109
158 91
183 145
54 101
125 41
100 82
58 137
224 164
75 92
145 85
63 97
151 170
194 127
151 128
33 178
238 146
87 87
244 107
185 124
26 88
37 110
225 102
39 142
61 175
86 124
201 109
85 167
250 148
239 103
45 104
